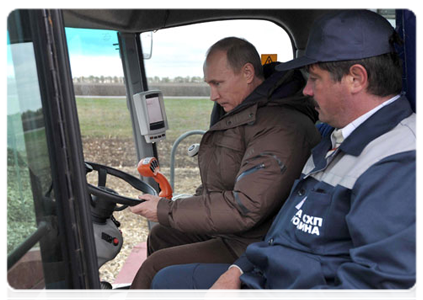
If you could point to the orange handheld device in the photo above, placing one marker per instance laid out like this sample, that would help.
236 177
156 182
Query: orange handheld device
149 167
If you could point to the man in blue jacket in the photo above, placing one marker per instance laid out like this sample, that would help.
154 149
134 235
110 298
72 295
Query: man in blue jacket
349 221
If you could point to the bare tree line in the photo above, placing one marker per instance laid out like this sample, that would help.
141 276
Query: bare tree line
121 80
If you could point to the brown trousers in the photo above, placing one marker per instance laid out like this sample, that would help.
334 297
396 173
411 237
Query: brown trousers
167 247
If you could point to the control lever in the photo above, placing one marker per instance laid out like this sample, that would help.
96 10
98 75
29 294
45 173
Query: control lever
149 167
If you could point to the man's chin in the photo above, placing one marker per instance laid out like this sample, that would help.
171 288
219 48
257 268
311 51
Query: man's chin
226 108
320 116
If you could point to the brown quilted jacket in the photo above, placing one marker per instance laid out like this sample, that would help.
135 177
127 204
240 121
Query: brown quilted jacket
248 162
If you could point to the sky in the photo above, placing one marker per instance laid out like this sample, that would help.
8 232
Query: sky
176 52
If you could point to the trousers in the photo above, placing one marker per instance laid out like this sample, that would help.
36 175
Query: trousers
191 276
167 247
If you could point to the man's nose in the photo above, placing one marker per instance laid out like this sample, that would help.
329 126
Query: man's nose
308 91
214 95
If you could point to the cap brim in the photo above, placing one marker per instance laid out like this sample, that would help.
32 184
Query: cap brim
295 63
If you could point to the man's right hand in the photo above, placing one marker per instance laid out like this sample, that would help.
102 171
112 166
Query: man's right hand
228 280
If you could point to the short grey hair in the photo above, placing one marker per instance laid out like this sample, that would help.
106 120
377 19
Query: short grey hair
238 52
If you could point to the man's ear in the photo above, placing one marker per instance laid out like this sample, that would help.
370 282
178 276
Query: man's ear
358 78
248 72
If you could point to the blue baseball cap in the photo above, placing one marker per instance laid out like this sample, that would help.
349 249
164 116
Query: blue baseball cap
345 35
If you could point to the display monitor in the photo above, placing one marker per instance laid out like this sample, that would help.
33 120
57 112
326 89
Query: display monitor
151 115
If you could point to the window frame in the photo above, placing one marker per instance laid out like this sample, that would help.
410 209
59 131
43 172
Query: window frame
46 30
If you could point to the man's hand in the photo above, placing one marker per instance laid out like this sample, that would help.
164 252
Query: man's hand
147 209
227 286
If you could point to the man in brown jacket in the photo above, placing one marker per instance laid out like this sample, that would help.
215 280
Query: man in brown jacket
248 160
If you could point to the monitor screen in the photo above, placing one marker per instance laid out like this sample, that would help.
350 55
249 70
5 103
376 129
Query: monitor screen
154 112
151 115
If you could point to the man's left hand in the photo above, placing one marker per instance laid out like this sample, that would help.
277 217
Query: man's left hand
147 209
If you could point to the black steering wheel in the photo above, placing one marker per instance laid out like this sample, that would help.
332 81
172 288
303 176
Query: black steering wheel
107 194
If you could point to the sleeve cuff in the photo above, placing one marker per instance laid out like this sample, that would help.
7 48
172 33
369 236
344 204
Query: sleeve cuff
243 264
163 210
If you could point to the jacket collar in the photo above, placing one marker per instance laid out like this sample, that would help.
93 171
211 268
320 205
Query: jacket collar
384 120
245 116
